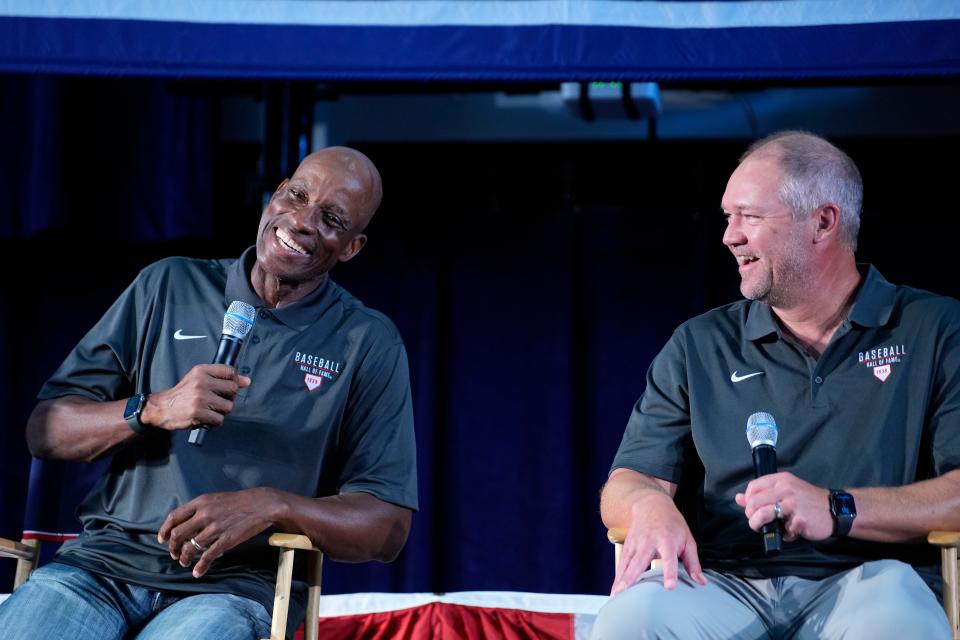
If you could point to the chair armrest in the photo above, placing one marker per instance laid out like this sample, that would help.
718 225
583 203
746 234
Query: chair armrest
11 549
27 553
292 541
616 536
945 539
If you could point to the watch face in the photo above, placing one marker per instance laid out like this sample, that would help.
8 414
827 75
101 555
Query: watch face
133 406
843 504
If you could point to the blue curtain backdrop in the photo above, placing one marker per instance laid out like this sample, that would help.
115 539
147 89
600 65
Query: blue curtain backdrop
532 283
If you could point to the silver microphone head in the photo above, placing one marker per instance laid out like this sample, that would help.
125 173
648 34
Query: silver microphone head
761 429
238 320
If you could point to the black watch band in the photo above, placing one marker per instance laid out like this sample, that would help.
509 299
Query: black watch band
844 511
131 413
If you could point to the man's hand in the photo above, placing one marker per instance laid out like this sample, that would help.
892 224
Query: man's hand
203 397
804 508
217 522
657 530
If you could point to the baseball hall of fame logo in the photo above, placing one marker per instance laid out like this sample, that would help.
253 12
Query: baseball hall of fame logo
316 369
880 360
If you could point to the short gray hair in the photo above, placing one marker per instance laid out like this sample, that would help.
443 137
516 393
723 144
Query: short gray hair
816 172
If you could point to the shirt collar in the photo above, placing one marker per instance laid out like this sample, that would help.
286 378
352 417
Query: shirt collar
760 322
298 315
874 302
871 307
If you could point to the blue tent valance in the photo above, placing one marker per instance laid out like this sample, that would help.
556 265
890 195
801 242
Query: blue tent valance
505 40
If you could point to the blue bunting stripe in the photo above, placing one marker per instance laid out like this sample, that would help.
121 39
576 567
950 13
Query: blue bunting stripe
464 53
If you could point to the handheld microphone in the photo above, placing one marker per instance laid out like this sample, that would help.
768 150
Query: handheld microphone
762 435
237 322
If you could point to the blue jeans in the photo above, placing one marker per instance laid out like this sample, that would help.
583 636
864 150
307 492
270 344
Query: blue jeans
61 601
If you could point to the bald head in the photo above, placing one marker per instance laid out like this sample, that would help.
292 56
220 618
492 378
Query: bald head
358 174
314 220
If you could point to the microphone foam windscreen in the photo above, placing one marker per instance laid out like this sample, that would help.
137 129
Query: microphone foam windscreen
761 429
238 320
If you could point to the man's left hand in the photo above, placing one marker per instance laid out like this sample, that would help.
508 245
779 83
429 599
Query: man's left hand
804 508
216 522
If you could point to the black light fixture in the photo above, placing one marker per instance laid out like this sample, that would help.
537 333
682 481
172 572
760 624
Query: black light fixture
612 100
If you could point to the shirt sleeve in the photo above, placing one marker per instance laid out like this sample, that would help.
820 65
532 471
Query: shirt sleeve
378 448
944 422
103 365
657 437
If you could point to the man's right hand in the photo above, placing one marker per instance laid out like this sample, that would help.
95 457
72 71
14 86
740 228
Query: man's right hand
203 397
657 530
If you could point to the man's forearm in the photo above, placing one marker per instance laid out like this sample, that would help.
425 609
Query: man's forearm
76 428
901 514
623 489
352 527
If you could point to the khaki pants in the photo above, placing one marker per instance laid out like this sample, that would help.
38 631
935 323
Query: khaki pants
877 600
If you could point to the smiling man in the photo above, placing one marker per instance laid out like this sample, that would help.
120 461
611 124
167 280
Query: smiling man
311 433
863 379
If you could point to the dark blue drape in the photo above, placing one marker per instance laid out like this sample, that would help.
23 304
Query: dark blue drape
700 48
532 284
95 175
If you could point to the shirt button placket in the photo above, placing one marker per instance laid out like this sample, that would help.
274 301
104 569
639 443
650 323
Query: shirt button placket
815 386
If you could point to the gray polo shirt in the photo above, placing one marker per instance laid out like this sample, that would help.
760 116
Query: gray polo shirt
880 407
328 412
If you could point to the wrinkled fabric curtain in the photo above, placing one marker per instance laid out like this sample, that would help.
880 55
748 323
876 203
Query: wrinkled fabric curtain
533 283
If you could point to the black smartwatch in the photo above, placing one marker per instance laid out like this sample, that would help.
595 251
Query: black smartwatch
131 413
844 510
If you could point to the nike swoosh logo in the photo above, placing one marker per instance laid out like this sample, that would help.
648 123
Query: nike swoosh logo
180 335
735 378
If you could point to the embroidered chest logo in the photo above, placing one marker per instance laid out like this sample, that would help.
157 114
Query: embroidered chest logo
880 360
316 369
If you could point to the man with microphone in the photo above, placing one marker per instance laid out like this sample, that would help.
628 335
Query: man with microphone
306 427
853 380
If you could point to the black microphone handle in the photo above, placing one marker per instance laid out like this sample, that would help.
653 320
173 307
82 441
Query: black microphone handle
227 353
764 460
764 463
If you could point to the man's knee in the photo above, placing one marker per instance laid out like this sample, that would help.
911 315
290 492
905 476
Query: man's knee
644 610
893 619
887 599
647 610
58 601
